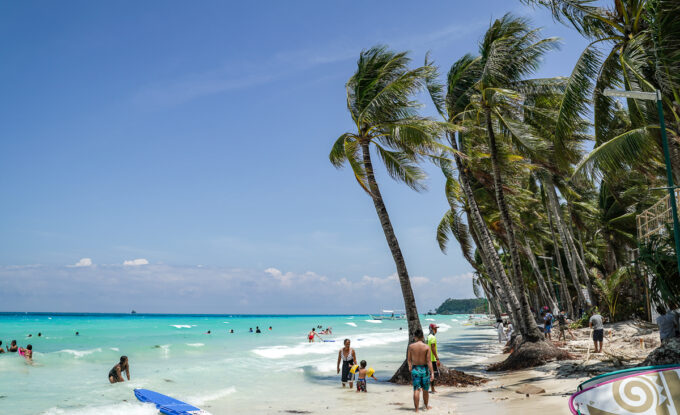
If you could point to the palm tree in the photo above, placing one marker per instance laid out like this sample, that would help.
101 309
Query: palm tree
509 51
480 88
385 118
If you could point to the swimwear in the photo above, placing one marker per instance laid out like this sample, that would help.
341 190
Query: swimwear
420 376
347 363
113 373
361 385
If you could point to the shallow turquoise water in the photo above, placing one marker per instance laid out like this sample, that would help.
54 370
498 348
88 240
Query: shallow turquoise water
222 372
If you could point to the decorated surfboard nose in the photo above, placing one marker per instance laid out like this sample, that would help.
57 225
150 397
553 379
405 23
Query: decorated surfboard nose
653 391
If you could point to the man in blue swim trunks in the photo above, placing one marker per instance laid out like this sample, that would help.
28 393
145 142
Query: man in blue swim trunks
420 364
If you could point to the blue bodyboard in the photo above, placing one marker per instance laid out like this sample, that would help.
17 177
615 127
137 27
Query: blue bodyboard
167 405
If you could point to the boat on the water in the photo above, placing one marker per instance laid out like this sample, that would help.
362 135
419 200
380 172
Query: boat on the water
389 315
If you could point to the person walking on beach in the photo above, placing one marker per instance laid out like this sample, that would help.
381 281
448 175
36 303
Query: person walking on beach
420 365
500 328
313 334
563 325
666 323
547 320
597 325
432 344
347 356
116 373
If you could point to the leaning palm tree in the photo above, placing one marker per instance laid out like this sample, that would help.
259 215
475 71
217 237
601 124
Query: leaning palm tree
379 100
509 51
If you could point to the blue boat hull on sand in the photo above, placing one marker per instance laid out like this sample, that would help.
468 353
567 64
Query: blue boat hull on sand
167 405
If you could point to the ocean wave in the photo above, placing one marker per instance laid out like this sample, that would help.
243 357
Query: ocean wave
351 324
373 321
366 340
181 326
202 399
80 353
115 349
117 409
454 319
195 344
429 319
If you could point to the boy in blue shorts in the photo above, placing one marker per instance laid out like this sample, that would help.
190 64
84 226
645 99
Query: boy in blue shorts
420 364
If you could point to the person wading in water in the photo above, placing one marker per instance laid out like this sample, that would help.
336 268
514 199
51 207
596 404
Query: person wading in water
116 373
348 357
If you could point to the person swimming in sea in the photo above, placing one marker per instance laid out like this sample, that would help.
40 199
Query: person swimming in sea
257 329
231 331
2 350
27 353
313 334
77 334
251 330
116 373
207 332
270 328
13 348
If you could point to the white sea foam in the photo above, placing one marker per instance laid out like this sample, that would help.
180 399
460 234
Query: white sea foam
366 340
165 350
373 321
225 322
351 324
117 409
80 353
443 327
115 349
49 318
429 319
181 326
454 319
195 344
213 396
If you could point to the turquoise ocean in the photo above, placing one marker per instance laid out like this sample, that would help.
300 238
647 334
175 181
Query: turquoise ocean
224 373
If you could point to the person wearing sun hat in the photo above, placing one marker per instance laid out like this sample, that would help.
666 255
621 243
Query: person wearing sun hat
432 344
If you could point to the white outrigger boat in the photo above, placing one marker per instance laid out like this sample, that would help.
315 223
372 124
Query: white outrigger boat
389 315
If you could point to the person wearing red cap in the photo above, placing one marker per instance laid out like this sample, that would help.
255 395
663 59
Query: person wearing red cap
432 343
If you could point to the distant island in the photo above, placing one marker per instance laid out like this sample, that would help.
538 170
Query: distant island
463 306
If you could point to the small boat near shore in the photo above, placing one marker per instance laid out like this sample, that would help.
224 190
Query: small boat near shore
389 315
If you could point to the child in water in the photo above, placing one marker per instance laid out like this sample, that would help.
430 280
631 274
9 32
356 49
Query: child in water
363 372
27 353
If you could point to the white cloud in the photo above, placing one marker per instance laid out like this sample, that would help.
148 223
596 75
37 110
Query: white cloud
136 262
192 289
84 262
288 278
458 279
420 280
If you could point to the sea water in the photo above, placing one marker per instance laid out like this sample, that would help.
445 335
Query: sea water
274 371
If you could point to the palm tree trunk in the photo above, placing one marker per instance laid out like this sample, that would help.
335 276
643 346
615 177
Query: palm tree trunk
404 280
543 288
532 332
580 260
564 288
560 267
496 270
553 205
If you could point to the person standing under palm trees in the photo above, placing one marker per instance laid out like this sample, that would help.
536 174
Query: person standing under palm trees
434 356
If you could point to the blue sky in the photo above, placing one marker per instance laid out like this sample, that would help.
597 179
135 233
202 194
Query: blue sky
193 137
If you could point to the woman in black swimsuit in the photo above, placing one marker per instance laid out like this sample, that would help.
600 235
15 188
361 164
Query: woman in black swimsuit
348 357
116 373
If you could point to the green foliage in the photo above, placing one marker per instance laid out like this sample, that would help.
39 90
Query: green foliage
463 306
658 256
